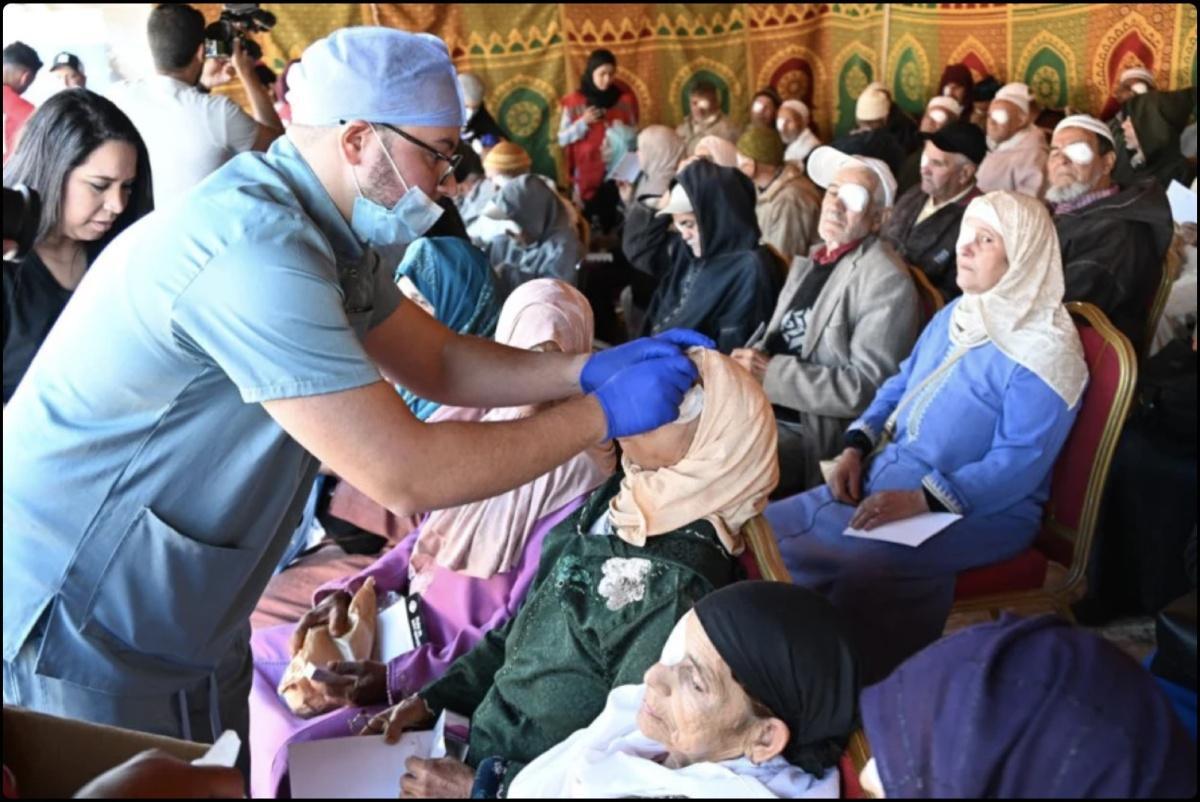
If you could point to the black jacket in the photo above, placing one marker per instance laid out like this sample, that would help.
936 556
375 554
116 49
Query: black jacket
1113 253
929 245
726 292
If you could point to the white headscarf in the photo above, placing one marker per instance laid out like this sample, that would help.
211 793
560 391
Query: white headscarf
1024 314
611 758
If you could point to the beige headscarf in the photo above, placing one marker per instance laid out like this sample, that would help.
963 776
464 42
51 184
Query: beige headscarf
727 473
659 151
723 151
487 537
1024 313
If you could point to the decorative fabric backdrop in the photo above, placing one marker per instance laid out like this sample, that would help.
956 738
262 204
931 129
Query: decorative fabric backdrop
530 55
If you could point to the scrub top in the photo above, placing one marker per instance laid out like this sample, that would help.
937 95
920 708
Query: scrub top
147 493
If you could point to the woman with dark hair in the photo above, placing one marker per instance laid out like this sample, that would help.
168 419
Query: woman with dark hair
86 161
586 115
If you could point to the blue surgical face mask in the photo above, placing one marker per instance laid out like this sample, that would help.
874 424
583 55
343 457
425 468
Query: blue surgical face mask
389 231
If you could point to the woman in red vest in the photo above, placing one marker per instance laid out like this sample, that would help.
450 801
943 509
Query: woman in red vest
586 115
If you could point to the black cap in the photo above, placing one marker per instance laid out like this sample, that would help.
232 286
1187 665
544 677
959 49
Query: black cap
960 137
986 89
65 59
22 54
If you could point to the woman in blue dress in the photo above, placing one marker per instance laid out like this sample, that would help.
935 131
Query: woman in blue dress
974 421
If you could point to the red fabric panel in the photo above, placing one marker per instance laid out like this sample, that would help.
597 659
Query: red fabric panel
1026 571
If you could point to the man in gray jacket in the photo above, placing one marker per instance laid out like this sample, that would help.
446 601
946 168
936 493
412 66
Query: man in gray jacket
846 317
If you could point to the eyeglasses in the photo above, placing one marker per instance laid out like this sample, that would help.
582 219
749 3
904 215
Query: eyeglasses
451 161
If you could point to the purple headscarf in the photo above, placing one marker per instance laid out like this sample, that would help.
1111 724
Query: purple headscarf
1026 708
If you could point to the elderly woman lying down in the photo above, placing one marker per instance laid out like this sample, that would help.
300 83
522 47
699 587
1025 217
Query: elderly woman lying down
613 580
755 695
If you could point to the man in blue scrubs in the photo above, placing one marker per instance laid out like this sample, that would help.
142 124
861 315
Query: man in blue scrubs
158 453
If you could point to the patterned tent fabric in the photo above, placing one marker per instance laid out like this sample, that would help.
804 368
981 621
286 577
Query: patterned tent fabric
531 54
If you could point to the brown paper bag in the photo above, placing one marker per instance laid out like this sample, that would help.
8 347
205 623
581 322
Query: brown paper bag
306 697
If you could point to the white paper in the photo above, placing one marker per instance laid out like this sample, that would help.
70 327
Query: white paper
909 532
355 767
393 632
627 169
222 753
1183 203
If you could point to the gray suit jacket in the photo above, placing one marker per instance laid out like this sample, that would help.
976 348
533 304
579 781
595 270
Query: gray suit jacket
864 323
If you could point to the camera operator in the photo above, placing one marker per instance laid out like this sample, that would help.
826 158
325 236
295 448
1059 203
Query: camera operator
190 133
85 160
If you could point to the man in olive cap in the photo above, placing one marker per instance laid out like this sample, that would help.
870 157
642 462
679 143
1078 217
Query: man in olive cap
788 202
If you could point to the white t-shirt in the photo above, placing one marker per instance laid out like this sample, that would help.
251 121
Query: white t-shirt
188 133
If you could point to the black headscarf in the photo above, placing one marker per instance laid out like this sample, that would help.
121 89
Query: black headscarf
609 97
787 647
724 201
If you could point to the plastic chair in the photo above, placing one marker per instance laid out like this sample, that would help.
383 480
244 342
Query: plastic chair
1069 524
931 299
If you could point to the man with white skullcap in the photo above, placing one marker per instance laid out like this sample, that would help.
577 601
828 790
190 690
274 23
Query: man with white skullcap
794 123
159 451
1134 81
1113 238
1016 160
846 316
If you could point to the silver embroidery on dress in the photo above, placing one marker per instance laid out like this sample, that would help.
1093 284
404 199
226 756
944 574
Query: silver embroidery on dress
624 581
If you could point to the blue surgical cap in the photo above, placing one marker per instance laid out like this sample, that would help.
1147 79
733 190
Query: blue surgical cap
381 75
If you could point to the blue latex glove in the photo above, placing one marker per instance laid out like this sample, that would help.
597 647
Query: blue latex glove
605 364
646 394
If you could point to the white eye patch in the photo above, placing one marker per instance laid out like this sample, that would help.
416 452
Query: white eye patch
704 106
924 161
675 649
999 116
1139 88
853 197
938 115
947 91
692 406
758 108
1079 152
780 124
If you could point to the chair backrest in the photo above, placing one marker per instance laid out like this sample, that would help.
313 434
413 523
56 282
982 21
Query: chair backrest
1081 471
931 299
853 760
762 559
1170 271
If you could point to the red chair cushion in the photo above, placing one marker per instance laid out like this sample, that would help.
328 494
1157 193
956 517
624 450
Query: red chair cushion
1073 470
750 564
1026 571
851 788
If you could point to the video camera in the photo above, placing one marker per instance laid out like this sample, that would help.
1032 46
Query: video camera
238 21
22 213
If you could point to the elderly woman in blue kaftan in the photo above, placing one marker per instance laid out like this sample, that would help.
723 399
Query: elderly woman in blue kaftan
972 424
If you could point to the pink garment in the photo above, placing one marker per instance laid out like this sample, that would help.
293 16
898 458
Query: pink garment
487 537
1017 165
721 151
457 612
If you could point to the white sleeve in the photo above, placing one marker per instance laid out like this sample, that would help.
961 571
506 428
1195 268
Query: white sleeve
232 127
570 133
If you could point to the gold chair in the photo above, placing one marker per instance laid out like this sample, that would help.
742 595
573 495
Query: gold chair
1023 583
760 543
1172 265
931 299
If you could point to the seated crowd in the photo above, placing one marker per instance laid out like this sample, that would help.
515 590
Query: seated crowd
880 331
